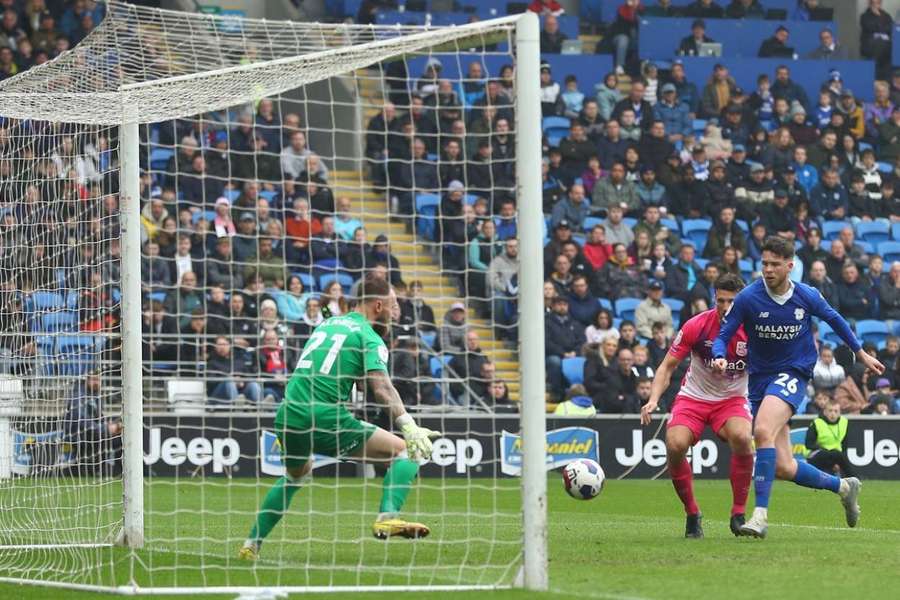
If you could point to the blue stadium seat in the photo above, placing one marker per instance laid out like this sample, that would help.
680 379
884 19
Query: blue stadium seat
867 247
701 262
63 320
672 225
625 308
832 229
555 129
345 280
746 269
159 158
743 225
208 215
699 125
873 232
158 296
426 213
549 122
591 222
573 370
437 364
308 281
890 251
579 238
885 167
269 195
46 301
604 303
232 195
827 334
697 231
871 330
826 245
428 337
675 304
629 222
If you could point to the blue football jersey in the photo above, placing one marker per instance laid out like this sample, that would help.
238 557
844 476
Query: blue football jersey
779 336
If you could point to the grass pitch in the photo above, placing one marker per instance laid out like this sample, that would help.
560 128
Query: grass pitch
626 544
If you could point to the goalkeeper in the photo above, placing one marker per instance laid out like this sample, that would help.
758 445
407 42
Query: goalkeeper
340 352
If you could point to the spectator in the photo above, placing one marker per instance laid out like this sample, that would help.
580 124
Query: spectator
802 132
551 37
381 254
854 250
663 8
226 377
681 279
576 149
690 45
652 310
616 231
705 287
776 46
561 276
601 328
888 355
612 146
503 268
623 32
889 137
312 317
292 302
267 265
718 92
725 232
411 373
592 174
551 104
615 190
243 327
274 366
829 198
183 300
95 438
878 112
818 278
590 118
619 277
745 9
787 88
155 273
649 191
876 29
453 329
481 252
825 440
654 147
576 404
674 114
608 95
852 293
854 117
851 392
827 374
689 197
596 250
828 48
583 305
620 389
889 294
467 365
422 314
778 217
598 360
704 9
194 347
563 339
643 110
572 209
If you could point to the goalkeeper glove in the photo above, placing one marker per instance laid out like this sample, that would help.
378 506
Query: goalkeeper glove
418 439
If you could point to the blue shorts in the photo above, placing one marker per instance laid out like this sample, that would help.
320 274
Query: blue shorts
789 385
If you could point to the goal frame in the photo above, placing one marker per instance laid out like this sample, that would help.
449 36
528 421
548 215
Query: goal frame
534 570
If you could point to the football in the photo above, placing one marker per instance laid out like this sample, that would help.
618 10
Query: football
583 479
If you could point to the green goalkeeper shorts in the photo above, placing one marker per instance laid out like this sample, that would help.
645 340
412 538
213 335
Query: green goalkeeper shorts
323 428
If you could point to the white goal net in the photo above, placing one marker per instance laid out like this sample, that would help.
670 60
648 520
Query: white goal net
185 199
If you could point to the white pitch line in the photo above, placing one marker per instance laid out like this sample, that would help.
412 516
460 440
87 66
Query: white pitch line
597 595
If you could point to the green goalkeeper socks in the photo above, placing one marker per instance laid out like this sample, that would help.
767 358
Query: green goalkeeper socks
274 505
397 482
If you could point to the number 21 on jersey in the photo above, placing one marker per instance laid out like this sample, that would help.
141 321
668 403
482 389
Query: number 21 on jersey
316 340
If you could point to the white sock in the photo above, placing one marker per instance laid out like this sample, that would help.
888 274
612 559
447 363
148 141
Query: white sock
761 513
844 489
387 515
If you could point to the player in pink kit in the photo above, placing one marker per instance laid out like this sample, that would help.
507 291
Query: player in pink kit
707 398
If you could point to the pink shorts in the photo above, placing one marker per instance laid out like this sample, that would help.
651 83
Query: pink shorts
696 414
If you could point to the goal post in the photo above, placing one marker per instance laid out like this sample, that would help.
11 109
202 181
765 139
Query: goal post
130 109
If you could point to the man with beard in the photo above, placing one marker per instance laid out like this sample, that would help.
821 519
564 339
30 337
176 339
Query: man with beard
341 351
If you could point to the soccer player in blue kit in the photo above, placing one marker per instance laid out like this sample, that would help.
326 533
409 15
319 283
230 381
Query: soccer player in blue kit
776 313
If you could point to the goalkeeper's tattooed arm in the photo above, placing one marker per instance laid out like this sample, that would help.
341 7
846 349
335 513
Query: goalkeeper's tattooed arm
386 394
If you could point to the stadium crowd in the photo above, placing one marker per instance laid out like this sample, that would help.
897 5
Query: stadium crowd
649 195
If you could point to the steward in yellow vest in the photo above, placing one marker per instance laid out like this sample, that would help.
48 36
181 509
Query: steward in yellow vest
825 440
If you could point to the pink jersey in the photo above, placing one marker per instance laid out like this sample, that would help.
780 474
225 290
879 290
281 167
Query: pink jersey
701 382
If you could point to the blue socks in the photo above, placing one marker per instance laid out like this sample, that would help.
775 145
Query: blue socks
764 476
811 477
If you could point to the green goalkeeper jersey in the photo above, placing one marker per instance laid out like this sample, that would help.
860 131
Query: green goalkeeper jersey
339 353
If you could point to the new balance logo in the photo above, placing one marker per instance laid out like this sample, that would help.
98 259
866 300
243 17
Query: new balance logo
764 315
